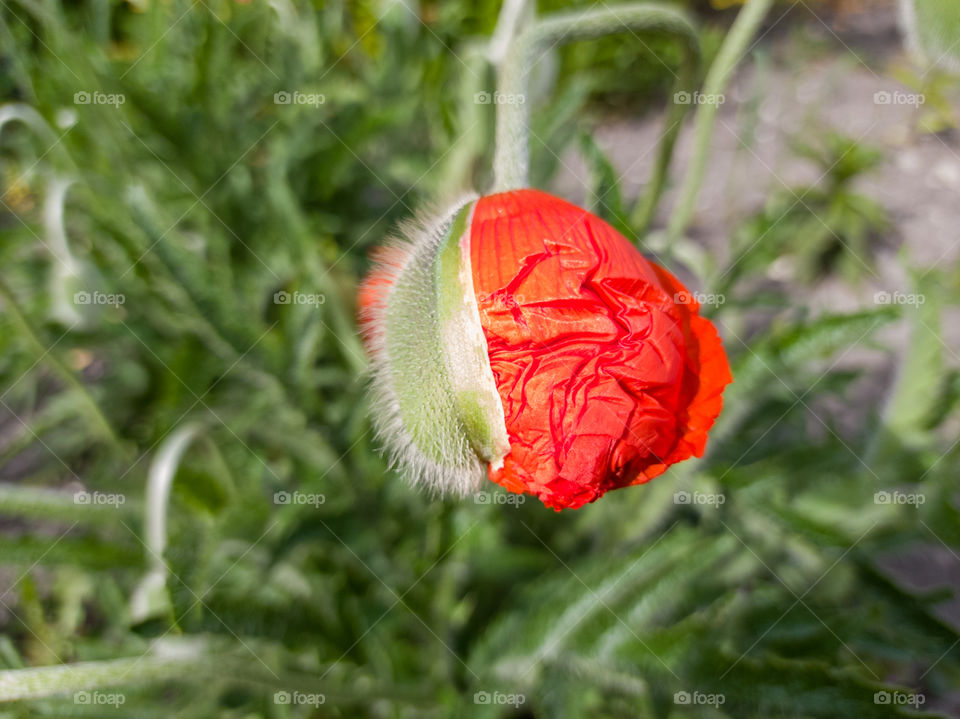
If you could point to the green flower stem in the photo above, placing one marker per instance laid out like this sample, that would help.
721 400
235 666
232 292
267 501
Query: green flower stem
187 662
34 120
647 203
30 502
99 420
472 119
731 53
458 162
512 156
38 682
150 598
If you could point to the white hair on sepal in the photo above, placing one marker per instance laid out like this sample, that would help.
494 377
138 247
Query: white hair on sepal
415 413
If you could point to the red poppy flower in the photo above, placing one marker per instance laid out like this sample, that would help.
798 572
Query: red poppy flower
523 338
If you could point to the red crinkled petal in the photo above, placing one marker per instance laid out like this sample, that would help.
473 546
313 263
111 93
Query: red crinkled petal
605 379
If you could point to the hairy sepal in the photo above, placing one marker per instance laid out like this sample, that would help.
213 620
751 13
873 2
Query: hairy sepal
436 405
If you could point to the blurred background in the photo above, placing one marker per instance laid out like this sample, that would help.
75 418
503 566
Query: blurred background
196 520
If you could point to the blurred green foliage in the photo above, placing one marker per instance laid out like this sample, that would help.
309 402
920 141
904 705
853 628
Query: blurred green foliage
198 199
827 228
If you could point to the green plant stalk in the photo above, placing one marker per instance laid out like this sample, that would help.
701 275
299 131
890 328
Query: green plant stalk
647 203
101 424
478 57
718 77
151 597
917 386
511 163
459 162
35 121
34 503
189 664
38 682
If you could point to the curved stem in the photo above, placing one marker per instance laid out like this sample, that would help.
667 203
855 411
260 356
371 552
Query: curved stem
35 121
509 20
65 270
472 118
159 482
731 53
512 156
149 597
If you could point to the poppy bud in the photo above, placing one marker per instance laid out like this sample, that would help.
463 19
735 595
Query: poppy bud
521 338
